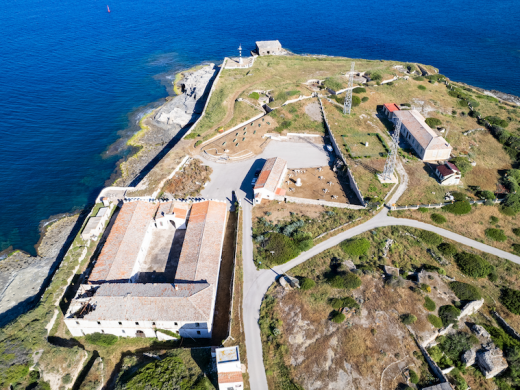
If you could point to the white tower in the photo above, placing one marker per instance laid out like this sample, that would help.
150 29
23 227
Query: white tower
240 54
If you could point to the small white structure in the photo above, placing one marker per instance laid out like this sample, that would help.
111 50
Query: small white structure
266 48
95 225
298 182
426 142
270 180
448 174
229 368
172 215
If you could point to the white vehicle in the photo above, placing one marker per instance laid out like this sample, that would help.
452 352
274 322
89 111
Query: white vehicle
329 148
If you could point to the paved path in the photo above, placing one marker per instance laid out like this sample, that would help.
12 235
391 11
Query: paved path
256 282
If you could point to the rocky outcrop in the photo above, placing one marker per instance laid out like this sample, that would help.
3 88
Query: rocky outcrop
468 358
182 109
491 361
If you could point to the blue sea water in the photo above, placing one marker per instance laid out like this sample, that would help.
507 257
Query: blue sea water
73 77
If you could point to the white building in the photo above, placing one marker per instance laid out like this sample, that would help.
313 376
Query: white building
427 143
448 174
229 368
270 179
265 48
119 301
95 225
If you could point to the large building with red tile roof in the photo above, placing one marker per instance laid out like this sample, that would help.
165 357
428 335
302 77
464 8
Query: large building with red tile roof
427 143
270 179
115 302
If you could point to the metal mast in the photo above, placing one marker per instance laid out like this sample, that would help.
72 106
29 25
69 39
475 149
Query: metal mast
348 94
392 156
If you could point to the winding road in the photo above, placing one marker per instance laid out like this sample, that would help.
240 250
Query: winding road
256 282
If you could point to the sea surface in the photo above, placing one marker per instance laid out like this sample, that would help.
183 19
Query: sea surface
74 77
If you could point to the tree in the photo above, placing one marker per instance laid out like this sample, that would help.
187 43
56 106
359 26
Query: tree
408 319
448 314
307 284
356 101
414 378
433 122
338 317
472 265
465 291
511 299
447 249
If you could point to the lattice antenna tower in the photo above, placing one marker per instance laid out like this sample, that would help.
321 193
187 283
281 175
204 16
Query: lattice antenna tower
348 94
392 156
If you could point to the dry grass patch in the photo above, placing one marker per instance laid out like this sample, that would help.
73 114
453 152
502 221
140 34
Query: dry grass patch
188 181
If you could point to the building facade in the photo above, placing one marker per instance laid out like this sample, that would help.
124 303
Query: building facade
266 48
270 180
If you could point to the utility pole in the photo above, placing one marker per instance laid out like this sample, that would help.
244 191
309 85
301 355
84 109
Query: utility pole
392 156
348 94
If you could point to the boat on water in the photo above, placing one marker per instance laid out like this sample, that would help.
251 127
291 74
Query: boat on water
108 9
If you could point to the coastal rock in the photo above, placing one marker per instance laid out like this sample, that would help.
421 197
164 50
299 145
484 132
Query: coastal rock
181 110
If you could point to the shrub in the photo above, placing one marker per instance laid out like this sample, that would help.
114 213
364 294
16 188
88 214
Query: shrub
465 291
306 244
338 318
458 208
359 90
338 303
356 247
496 234
433 122
376 76
493 220
356 101
511 205
429 304
414 378
307 284
495 120
284 248
101 339
419 78
254 95
448 314
364 99
423 209
474 114
198 143
511 299
487 195
459 196
333 83
408 319
516 248
424 287
435 321
432 268
421 87
350 281
66 379
472 265
463 164
438 218
430 238
447 249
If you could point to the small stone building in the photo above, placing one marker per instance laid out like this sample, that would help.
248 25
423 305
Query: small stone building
229 368
448 174
95 225
266 48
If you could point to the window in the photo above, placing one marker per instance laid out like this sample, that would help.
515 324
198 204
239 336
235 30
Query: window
124 331
120 323
198 332
197 324
99 323
137 323
102 331
77 322
175 323
153 323
162 224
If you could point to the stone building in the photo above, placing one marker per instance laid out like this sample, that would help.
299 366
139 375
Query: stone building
266 48
95 225
491 361
151 277
270 180
229 368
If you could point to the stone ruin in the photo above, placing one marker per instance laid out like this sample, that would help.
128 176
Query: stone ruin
391 271
287 281
469 357
491 361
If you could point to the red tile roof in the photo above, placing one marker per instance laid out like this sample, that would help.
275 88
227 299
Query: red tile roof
444 170
119 254
271 174
452 166
391 107
230 377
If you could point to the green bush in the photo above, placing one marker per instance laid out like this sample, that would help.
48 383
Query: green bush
101 339
465 291
487 195
305 245
355 247
338 303
307 284
419 78
254 95
516 248
435 321
458 208
447 249
448 314
338 317
438 218
433 122
414 378
284 248
423 209
198 143
376 76
359 90
408 319
356 101
511 299
333 83
516 232
349 281
14 374
66 379
495 120
472 265
364 99
496 234
463 164
474 114
421 87
430 238
429 304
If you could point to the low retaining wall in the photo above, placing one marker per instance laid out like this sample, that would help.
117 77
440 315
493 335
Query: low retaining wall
508 328
436 205
215 82
318 202
339 227
352 181
232 287
161 184
233 129
298 99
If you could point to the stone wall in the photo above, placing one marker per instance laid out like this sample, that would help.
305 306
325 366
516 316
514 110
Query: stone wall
352 181
215 82
470 308
318 202
508 328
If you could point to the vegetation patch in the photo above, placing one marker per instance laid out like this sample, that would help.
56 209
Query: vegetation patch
339 303
433 122
435 321
465 291
511 299
458 208
448 314
101 339
496 234
472 265
438 218
429 304
447 249
307 284
356 247
347 280
430 238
